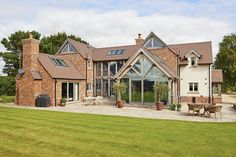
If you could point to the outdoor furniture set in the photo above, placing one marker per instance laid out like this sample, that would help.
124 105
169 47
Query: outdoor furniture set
93 100
208 109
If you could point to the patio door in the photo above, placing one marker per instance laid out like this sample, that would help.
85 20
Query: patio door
70 91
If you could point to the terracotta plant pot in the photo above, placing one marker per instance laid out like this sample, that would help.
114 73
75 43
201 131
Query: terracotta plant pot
120 103
160 105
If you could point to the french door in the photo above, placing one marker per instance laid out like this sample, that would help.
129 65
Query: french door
70 91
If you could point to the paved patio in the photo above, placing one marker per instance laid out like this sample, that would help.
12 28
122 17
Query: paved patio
228 113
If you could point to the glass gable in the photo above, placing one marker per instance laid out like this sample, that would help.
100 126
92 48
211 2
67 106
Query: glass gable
154 43
143 75
69 48
137 66
149 71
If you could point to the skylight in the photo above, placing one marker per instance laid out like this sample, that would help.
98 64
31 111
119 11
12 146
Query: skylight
59 62
116 52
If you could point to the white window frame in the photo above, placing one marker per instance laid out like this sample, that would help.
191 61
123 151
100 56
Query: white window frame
193 85
89 64
195 61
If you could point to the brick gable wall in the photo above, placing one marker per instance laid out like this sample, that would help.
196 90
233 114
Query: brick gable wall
166 55
80 64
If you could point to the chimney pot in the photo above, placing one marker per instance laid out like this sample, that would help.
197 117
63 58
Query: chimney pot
139 35
139 40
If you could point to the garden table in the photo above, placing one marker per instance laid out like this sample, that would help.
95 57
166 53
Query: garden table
204 106
89 100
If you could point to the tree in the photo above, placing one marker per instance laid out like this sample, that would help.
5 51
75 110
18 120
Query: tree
226 60
53 42
14 49
7 85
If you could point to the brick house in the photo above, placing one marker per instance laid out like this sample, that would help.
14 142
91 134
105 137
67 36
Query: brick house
78 70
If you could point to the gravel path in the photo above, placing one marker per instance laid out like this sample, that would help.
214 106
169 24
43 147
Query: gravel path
228 113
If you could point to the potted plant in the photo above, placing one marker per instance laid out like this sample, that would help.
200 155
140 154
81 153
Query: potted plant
63 102
173 107
160 91
119 88
179 107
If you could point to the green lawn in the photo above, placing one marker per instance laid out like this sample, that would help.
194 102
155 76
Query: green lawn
35 133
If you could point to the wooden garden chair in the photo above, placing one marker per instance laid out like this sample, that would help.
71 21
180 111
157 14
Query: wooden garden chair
214 109
194 109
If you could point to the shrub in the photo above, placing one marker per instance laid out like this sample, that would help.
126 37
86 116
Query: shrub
173 107
7 85
119 88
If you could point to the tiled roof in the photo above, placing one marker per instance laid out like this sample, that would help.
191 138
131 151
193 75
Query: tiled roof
202 48
83 48
101 54
217 76
67 72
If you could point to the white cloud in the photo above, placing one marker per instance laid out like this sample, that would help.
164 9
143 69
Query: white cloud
121 27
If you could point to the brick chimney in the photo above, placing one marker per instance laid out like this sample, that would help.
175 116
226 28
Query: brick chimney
139 40
30 53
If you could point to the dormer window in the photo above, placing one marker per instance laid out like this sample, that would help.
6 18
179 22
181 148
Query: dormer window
193 61
193 58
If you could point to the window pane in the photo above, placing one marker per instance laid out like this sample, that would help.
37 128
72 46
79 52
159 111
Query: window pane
149 43
89 85
64 90
132 74
156 74
98 69
125 96
195 86
136 90
119 65
112 68
137 66
193 61
156 43
111 84
71 48
98 87
105 88
146 65
105 68
148 91
190 87
71 91
66 48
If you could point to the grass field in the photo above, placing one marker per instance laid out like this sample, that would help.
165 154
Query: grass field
25 132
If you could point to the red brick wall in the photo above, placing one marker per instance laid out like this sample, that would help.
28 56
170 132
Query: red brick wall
80 64
188 99
168 56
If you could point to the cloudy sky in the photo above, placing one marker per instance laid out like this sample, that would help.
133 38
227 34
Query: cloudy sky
117 22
